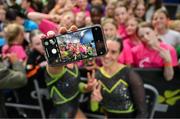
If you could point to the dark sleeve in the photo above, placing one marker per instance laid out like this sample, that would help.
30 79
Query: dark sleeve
31 67
138 93
30 64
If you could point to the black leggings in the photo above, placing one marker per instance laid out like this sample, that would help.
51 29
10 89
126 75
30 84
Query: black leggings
67 110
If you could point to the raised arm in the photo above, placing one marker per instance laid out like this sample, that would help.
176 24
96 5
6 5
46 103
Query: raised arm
55 70
38 17
168 63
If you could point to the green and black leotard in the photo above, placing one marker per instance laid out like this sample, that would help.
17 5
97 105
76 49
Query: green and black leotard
122 93
64 91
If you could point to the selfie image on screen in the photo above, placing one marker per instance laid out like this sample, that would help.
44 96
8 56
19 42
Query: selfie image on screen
77 45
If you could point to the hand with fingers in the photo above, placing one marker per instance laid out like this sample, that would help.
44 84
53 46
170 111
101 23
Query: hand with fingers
164 54
96 94
12 57
91 81
62 30
168 65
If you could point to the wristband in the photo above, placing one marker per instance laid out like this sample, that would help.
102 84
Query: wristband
168 64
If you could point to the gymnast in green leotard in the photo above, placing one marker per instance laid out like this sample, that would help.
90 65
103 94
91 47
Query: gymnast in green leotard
119 89
65 86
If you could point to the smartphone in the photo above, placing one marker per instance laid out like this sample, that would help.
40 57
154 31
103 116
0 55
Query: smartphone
82 44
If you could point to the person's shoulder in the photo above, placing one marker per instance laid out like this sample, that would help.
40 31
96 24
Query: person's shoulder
167 46
173 32
17 47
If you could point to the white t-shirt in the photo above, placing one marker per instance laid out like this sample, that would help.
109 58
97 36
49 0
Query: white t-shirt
171 37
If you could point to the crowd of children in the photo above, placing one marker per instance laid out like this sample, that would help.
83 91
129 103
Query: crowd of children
139 34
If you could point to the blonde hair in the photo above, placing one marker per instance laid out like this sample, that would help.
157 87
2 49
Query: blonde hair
12 31
68 13
174 24
108 20
145 24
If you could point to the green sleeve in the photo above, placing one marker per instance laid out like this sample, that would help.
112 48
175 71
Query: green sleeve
81 87
94 105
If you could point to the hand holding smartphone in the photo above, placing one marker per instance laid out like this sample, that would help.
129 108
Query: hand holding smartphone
82 44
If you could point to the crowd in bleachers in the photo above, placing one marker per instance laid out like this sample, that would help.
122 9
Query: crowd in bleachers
150 38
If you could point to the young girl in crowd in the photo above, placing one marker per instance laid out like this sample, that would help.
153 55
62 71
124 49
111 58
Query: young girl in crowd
132 38
96 13
119 89
109 10
82 6
152 6
131 6
154 53
14 34
139 11
68 19
80 19
121 16
110 30
109 27
160 22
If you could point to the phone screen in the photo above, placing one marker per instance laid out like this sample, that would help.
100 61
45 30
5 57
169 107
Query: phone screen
76 46
82 44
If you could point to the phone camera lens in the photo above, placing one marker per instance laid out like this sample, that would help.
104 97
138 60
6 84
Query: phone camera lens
54 51
46 43
96 29
52 42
